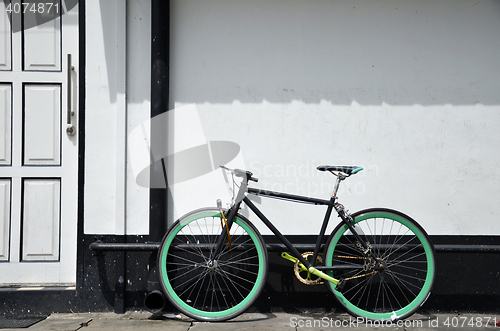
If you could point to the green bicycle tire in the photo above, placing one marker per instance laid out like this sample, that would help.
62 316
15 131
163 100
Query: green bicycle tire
226 289
402 246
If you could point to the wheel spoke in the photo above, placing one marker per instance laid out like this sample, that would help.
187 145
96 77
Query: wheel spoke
408 260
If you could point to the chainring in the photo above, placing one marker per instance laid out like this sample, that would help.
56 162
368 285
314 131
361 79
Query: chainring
305 276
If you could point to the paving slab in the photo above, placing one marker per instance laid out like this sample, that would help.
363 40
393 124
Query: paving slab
107 321
60 322
134 325
279 321
133 321
249 322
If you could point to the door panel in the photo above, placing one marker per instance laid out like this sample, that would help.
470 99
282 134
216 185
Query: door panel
4 219
46 37
42 118
5 42
5 124
41 220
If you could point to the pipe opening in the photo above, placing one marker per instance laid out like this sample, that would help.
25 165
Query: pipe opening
155 301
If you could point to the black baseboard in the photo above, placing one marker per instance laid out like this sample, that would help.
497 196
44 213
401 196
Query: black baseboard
465 282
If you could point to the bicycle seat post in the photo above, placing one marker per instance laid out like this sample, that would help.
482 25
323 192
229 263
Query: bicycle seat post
340 178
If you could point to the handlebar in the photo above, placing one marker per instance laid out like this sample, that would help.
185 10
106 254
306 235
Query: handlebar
241 173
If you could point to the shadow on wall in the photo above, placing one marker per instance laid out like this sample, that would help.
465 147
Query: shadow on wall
397 52
36 13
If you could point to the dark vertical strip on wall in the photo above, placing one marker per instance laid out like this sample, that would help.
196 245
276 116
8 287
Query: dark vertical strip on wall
80 271
160 23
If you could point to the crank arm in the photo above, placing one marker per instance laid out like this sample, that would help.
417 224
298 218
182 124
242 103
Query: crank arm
312 270
288 257
293 259
324 276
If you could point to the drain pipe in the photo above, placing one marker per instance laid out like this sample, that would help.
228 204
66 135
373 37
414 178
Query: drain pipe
155 301
160 23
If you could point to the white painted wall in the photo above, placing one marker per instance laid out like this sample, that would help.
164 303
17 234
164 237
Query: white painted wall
117 99
407 89
138 105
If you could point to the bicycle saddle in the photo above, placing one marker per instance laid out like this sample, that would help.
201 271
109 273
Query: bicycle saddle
345 169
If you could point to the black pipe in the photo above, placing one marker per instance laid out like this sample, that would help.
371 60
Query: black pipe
155 301
132 247
467 248
101 247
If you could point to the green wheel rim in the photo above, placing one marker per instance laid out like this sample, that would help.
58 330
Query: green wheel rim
425 290
179 301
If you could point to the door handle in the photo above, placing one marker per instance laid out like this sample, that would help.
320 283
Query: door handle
70 130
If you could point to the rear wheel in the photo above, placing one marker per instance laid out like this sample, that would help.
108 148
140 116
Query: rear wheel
206 287
391 279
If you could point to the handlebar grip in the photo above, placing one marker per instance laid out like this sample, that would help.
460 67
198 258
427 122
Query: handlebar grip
242 174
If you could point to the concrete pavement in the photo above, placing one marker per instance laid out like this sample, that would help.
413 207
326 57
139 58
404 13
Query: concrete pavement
279 321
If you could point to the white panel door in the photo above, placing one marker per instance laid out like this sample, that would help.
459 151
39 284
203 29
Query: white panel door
5 43
38 159
41 219
5 123
42 120
46 37
4 219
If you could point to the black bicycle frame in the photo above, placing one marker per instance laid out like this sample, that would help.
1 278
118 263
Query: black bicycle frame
290 197
297 198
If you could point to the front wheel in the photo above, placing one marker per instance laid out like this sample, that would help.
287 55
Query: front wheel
393 277
207 287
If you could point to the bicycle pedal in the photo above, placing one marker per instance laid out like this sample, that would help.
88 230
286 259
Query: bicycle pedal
340 285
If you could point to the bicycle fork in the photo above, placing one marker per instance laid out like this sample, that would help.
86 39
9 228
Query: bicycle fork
226 228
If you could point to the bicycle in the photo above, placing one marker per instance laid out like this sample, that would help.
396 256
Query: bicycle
378 263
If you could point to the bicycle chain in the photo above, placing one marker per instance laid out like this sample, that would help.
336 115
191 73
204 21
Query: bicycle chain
359 276
359 258
351 257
